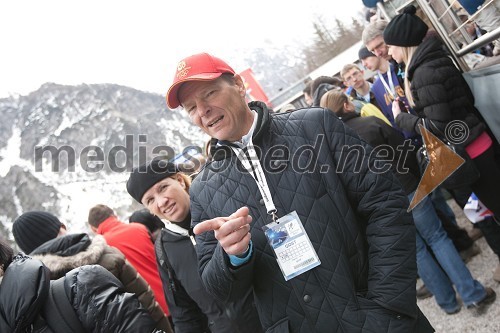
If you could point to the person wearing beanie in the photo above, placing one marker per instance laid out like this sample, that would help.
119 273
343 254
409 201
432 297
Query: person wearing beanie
86 299
34 228
45 238
363 53
164 191
406 29
441 96
153 223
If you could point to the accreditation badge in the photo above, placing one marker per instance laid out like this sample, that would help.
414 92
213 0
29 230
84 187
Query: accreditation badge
292 247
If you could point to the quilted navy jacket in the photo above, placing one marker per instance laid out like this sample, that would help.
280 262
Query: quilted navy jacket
355 219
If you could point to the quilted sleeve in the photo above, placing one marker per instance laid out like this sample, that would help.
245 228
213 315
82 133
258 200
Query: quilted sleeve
381 206
224 282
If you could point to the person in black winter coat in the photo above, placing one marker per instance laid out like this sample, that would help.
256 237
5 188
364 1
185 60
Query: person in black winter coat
86 299
439 93
164 191
290 166
44 237
442 98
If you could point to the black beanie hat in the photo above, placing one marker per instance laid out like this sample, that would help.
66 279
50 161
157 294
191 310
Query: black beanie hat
32 229
143 177
144 217
363 53
406 29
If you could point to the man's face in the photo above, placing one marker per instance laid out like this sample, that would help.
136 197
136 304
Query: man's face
218 107
354 78
377 47
372 63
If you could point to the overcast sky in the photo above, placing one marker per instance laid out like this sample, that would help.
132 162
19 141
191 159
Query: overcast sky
138 43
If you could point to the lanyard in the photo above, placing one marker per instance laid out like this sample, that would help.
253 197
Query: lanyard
389 88
250 162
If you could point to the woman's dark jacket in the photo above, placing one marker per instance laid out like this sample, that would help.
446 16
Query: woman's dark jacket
390 146
356 220
439 91
96 296
192 308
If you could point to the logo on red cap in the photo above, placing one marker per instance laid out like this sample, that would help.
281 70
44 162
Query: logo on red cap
182 70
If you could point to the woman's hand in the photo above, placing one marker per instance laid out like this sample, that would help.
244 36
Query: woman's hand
396 110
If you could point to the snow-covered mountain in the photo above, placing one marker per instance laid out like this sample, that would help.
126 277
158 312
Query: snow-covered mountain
64 149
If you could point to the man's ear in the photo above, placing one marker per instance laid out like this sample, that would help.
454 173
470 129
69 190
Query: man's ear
94 229
62 230
241 85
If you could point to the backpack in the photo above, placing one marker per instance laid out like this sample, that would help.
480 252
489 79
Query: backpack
58 311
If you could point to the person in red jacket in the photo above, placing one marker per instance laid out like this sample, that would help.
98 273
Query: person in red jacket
134 241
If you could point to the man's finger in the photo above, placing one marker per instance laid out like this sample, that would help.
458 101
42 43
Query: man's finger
208 225
240 247
242 212
235 224
234 237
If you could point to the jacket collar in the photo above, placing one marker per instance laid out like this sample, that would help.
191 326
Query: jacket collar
431 48
72 253
108 224
348 116
64 246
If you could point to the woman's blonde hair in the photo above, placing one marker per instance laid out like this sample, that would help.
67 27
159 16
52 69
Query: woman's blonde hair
408 53
334 100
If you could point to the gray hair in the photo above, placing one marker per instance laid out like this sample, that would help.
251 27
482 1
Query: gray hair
373 30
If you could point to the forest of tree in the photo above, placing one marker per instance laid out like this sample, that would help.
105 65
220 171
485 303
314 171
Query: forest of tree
278 69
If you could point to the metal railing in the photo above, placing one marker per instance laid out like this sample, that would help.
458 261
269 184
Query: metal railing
456 37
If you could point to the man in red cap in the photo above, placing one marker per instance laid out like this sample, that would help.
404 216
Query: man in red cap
321 236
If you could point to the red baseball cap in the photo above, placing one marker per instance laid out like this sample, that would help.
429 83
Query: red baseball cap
198 67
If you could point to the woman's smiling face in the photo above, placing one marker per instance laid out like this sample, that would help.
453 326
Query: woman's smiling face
168 199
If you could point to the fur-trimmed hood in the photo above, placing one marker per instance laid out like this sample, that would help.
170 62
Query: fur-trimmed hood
65 253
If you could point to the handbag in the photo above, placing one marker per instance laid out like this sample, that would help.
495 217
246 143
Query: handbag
463 176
